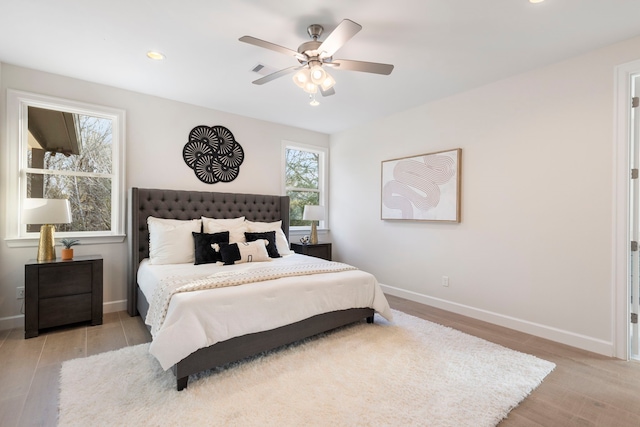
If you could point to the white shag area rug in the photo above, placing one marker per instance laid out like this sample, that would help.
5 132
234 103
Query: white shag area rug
408 372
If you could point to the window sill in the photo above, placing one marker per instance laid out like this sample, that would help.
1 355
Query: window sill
28 242
302 231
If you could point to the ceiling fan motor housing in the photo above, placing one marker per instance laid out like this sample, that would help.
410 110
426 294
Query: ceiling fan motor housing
309 49
315 30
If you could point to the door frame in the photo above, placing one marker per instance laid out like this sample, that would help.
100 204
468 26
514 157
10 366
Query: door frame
620 290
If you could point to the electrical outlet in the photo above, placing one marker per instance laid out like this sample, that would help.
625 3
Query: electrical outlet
445 280
20 292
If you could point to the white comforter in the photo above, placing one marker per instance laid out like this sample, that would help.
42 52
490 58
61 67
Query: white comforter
199 319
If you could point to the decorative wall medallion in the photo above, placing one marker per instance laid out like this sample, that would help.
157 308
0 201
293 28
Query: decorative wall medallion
213 154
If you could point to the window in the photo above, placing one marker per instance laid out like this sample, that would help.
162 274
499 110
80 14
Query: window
305 175
62 149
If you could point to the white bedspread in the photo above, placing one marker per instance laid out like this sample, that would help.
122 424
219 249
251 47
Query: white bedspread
201 318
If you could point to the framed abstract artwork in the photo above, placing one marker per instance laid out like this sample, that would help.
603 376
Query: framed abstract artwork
422 188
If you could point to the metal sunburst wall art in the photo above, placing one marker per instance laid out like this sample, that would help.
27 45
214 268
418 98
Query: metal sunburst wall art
213 154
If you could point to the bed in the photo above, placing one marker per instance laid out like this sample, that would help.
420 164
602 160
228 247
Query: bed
189 205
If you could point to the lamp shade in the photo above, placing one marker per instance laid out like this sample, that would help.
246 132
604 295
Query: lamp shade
46 211
313 213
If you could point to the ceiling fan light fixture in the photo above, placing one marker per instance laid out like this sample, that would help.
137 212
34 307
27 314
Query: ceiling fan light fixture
301 78
328 82
318 74
310 88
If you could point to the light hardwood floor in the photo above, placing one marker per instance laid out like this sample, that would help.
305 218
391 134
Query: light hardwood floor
585 389
29 368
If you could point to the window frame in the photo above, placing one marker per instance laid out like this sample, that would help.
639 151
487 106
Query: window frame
323 178
18 103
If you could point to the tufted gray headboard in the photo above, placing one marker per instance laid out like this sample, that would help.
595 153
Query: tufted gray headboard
177 204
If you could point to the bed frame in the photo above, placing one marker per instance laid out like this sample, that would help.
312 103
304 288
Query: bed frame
185 205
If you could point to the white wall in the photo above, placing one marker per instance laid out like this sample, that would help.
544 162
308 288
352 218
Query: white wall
533 250
157 130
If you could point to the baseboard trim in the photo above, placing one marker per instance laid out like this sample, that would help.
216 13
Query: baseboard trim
113 306
605 348
12 322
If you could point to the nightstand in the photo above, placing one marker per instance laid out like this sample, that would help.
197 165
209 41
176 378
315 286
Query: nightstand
62 292
319 250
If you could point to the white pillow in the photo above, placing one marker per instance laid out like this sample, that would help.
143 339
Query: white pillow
255 251
235 226
281 240
171 241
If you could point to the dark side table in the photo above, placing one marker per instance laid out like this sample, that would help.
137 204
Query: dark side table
319 250
62 292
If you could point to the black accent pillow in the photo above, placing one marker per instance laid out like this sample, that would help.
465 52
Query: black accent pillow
269 236
205 254
229 253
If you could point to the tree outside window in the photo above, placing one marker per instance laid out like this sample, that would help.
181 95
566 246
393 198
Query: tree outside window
303 181
71 161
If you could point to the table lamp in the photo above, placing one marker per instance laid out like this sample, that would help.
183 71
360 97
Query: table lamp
46 212
313 213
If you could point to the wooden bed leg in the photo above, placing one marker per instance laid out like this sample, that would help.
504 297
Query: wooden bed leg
182 383
370 319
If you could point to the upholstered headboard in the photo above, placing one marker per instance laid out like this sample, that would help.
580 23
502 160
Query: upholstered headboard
176 204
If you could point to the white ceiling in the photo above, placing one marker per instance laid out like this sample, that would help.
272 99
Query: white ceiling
438 47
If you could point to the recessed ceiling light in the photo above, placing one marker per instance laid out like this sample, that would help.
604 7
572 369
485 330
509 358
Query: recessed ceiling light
536 1
157 56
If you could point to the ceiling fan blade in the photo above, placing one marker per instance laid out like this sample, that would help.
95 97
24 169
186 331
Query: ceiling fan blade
338 37
327 92
267 45
367 67
273 76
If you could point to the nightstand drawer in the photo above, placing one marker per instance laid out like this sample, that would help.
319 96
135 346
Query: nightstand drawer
319 250
61 280
64 310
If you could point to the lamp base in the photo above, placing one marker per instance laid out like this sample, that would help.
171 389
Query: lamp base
314 234
47 244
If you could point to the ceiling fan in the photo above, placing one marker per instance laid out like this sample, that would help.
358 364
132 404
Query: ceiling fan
314 55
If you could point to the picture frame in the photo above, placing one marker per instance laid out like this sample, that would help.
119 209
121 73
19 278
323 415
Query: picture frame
425 187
